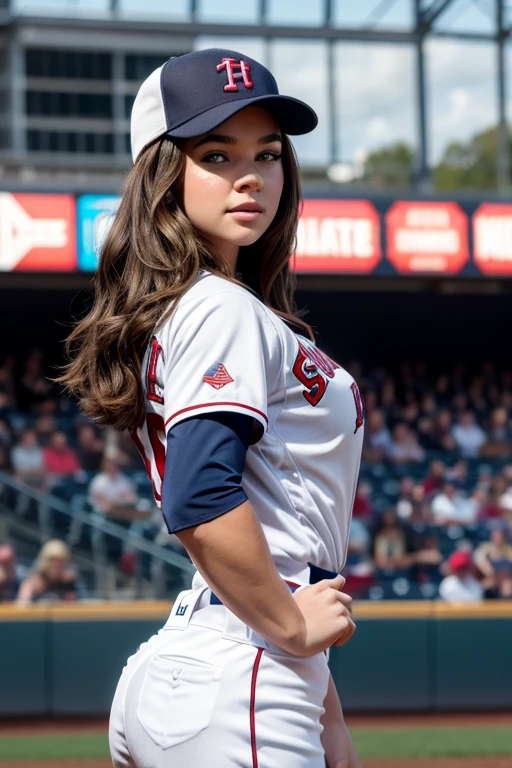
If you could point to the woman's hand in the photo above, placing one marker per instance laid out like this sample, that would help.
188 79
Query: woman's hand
326 613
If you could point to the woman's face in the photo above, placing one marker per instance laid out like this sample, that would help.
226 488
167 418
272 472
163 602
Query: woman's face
233 180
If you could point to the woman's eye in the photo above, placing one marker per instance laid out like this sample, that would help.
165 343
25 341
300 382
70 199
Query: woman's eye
269 157
214 157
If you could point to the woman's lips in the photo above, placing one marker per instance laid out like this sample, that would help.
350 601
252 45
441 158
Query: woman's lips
245 215
246 211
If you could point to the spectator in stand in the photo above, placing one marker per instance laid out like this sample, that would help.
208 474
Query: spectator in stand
452 507
390 543
494 555
423 544
468 435
90 447
362 508
404 445
499 435
45 427
5 407
5 459
28 461
34 385
377 437
443 431
404 504
52 578
7 380
5 434
433 480
461 586
502 583
428 407
427 437
60 459
111 488
412 495
492 491
11 574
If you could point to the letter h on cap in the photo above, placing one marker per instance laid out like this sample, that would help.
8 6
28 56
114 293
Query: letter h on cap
230 65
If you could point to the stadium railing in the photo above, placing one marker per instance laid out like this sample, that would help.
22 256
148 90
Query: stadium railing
89 536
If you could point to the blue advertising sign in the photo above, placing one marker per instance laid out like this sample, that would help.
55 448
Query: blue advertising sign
95 214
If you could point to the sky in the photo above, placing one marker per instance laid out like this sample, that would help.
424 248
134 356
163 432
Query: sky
375 101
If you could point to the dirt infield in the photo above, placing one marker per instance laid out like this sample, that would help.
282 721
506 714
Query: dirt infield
14 726
430 720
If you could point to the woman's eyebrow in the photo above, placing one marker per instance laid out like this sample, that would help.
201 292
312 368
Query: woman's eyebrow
217 138
271 137
220 138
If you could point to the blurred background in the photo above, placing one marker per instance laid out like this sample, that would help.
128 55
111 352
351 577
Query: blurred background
404 263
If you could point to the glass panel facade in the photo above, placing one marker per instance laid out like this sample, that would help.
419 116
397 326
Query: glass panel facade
378 15
70 141
461 16
255 47
61 7
171 10
139 66
300 69
295 13
68 64
50 103
228 12
375 108
461 92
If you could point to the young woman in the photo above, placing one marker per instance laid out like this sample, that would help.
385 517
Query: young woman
251 436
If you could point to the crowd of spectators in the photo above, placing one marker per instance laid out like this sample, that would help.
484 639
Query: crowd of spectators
433 509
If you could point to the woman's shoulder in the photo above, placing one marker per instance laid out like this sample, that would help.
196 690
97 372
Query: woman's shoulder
211 287
213 295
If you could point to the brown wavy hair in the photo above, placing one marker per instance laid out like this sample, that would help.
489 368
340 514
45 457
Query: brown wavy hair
150 258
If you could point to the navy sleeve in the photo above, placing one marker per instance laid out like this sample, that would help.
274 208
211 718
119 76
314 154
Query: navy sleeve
204 463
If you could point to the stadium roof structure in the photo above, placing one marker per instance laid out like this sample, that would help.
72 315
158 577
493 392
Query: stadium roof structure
426 22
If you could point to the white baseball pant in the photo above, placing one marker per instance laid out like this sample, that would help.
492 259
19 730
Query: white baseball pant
208 692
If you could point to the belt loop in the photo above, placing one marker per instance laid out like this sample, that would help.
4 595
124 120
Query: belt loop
183 608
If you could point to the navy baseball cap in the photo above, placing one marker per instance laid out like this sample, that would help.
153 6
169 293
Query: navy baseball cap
191 94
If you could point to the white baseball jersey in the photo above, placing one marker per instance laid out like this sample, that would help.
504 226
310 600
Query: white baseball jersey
223 350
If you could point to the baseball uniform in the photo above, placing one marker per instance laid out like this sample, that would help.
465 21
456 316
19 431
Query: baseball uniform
207 690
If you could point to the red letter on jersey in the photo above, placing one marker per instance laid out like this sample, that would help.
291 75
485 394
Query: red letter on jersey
152 388
359 406
308 375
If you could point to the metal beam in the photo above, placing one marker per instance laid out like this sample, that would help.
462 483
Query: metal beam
192 29
428 17
502 134
422 180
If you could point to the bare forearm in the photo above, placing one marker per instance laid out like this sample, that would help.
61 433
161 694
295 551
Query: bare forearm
336 740
232 555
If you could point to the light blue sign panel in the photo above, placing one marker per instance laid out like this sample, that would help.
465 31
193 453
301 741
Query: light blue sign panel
95 214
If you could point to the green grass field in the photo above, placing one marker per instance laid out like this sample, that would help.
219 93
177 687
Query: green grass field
370 742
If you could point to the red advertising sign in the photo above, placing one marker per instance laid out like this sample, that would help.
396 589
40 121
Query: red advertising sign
338 236
427 237
492 238
37 232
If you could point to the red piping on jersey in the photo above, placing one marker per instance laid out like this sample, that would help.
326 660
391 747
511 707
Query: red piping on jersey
253 700
136 439
210 405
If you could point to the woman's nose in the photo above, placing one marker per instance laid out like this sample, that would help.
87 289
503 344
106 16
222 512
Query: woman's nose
252 182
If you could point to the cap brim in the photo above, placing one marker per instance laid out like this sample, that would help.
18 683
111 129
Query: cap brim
294 117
